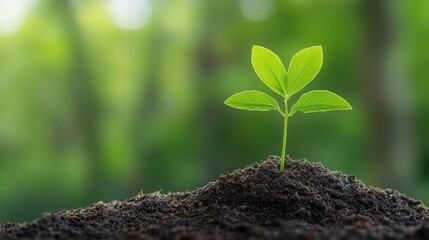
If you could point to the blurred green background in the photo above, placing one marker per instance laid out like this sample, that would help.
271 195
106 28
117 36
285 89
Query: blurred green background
100 99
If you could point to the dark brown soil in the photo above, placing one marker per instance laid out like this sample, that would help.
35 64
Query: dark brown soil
306 201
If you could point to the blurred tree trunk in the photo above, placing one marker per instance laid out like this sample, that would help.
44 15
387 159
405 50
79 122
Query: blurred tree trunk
385 90
168 99
84 101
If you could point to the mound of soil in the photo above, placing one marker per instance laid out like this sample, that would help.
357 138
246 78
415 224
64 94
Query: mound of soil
306 201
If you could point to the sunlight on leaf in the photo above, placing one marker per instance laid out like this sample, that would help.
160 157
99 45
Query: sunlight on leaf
253 101
269 69
303 68
319 101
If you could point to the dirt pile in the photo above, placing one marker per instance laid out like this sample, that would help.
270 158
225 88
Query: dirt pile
306 201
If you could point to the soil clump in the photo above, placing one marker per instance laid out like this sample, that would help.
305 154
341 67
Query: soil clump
306 201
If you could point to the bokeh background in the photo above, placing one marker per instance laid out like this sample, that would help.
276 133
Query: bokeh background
101 99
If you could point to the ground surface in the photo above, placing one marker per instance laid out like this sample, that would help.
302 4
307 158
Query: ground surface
306 201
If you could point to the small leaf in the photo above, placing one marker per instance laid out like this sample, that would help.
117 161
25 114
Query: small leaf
253 101
269 69
319 101
303 68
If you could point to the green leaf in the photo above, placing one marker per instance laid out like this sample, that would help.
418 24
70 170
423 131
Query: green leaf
303 68
253 101
269 69
319 101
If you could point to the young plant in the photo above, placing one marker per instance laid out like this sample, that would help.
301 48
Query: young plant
303 68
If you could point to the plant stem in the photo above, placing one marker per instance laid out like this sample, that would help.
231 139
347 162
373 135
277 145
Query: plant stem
282 160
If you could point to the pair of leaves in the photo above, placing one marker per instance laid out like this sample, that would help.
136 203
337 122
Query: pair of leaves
303 68
313 101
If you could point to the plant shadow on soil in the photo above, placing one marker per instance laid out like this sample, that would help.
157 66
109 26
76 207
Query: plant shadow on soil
306 201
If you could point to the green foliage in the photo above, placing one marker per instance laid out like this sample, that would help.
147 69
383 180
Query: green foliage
269 69
303 68
253 101
319 101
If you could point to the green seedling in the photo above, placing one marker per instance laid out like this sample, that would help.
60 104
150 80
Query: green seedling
303 68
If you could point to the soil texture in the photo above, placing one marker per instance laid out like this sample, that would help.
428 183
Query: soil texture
306 201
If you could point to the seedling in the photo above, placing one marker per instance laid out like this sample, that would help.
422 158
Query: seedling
303 68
